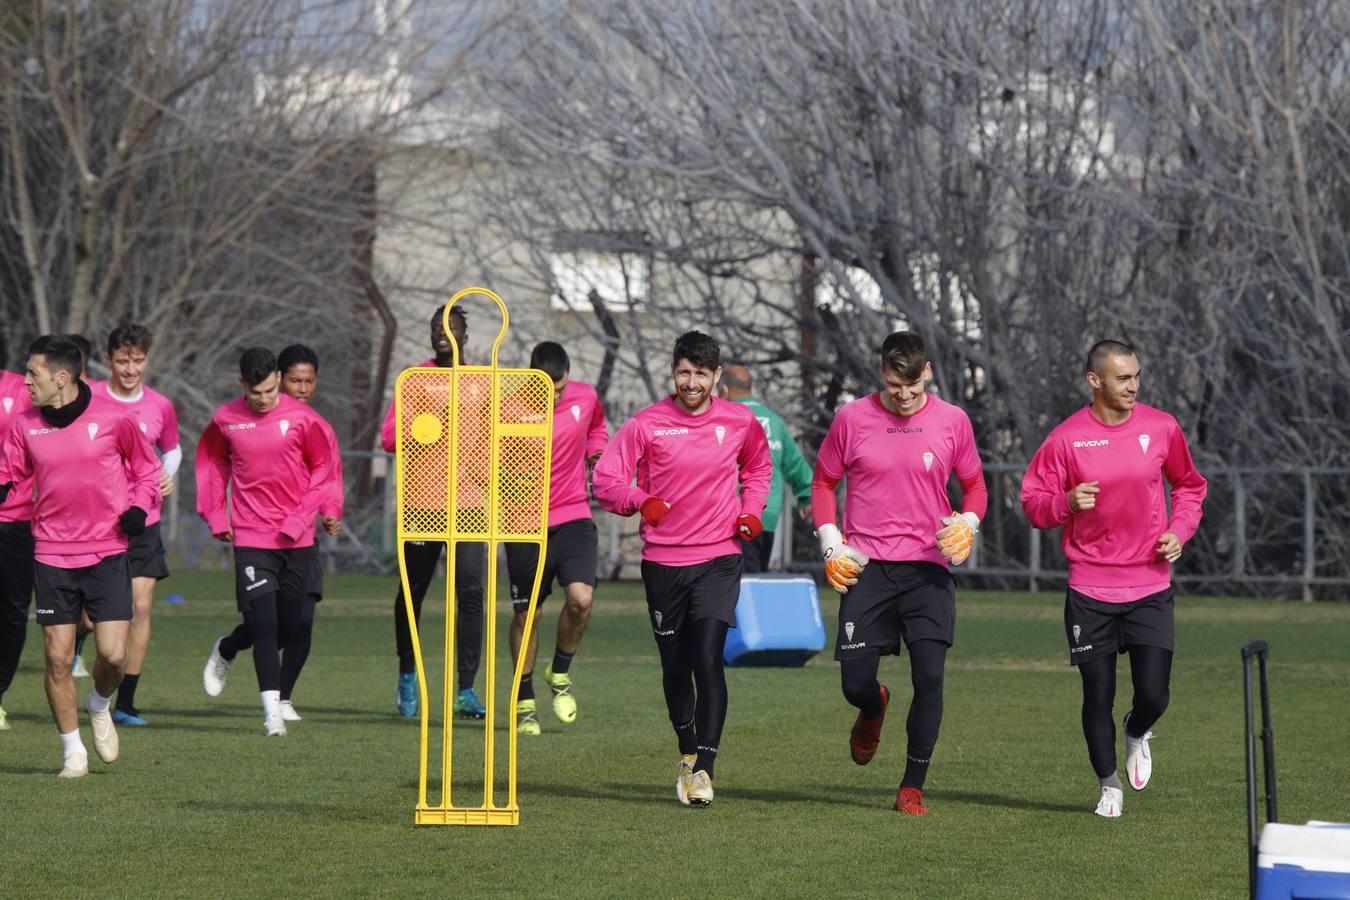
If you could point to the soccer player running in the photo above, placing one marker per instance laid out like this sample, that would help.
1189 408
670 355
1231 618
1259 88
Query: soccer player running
788 465
897 448
273 454
690 453
1100 476
299 367
571 554
153 413
16 548
96 476
421 558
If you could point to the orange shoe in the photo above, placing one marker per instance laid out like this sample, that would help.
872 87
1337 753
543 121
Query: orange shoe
910 800
866 735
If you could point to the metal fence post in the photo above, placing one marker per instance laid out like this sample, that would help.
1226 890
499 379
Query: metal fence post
1309 535
1035 568
1239 525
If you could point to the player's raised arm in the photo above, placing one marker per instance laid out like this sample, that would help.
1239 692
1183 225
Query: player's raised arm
1045 487
612 479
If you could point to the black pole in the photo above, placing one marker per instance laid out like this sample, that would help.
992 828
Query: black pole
1267 741
1250 741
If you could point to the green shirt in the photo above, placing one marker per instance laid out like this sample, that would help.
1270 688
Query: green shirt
787 462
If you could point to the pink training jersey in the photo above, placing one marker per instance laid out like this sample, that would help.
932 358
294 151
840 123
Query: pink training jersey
1112 547
154 414
694 463
579 430
278 466
897 469
18 506
335 499
428 486
87 474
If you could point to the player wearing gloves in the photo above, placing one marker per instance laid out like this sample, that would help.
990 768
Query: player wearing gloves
95 476
1099 476
154 415
690 452
274 456
897 448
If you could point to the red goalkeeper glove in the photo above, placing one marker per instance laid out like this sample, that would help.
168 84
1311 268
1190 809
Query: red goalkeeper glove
654 509
749 527
958 538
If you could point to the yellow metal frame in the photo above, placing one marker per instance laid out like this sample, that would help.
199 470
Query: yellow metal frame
534 531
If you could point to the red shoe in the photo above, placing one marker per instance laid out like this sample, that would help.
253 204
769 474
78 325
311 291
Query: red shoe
910 800
866 734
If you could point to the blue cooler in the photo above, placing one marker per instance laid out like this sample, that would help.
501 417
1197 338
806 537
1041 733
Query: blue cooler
1298 861
778 622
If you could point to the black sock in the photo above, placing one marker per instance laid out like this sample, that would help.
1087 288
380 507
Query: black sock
561 661
526 691
687 737
226 649
706 757
79 643
126 694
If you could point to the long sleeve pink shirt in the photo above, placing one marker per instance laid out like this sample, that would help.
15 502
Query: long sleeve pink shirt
278 467
87 474
1113 545
695 464
427 488
579 430
335 501
154 414
897 469
18 506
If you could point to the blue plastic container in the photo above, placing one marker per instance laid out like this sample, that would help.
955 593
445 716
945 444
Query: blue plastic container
778 622
1303 861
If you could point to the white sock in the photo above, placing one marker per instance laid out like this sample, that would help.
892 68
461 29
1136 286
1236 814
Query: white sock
271 701
98 702
71 744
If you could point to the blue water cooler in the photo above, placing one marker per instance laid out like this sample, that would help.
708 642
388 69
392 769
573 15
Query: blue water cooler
778 622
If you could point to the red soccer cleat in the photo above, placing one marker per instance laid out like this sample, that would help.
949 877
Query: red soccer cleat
866 734
910 800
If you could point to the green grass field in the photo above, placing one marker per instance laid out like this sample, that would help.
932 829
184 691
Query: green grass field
201 803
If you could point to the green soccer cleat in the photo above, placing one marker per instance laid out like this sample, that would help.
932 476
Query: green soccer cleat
467 705
4 720
684 770
526 720
564 704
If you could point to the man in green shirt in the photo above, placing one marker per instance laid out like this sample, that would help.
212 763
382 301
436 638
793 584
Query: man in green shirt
788 463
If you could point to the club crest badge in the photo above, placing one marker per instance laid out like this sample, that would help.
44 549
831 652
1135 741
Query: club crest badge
1143 442
927 462
848 631
721 434
248 573
93 430
285 426
145 429
1077 630
9 404
657 616
576 412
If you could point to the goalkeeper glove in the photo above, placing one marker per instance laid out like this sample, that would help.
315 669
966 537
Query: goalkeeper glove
749 527
956 540
843 564
654 509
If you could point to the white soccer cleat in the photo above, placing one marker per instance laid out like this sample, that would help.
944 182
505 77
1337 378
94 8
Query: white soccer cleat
1110 803
76 765
684 771
217 671
1138 760
288 713
106 744
700 789
274 726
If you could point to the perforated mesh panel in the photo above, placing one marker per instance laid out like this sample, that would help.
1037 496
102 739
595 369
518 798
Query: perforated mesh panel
507 411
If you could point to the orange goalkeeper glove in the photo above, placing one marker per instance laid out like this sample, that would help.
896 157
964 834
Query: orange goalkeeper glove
958 537
843 564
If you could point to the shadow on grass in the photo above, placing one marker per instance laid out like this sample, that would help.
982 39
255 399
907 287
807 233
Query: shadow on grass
836 795
980 799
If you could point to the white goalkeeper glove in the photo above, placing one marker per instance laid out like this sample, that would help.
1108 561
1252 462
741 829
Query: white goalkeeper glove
958 537
843 564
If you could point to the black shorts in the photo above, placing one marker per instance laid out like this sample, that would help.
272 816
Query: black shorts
1095 629
290 574
103 590
704 591
16 570
755 553
913 601
145 553
570 558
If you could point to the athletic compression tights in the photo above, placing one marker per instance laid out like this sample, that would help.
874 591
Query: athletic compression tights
1151 672
926 662
696 688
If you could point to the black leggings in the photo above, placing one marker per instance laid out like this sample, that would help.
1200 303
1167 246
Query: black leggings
927 660
1151 673
695 684
16 590
470 573
289 623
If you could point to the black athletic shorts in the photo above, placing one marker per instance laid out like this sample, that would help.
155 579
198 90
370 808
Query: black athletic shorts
16 569
145 553
913 601
703 591
103 590
287 573
570 558
1095 629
